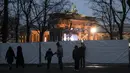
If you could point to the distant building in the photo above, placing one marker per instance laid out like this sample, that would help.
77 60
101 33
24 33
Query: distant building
65 27
73 24
71 27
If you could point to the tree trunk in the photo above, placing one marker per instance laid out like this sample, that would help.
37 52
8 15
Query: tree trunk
110 21
44 22
42 30
5 23
41 37
16 33
17 30
41 40
111 36
28 30
121 36
121 33
17 24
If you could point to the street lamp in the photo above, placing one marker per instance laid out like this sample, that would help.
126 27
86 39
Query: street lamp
93 31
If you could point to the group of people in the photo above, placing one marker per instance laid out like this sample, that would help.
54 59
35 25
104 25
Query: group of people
10 56
59 53
78 55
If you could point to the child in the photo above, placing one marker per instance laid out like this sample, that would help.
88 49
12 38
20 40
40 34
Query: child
48 57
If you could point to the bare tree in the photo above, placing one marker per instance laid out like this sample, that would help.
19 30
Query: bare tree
43 10
1 16
15 12
113 15
120 15
49 7
26 6
35 12
31 15
1 7
102 11
5 23
17 18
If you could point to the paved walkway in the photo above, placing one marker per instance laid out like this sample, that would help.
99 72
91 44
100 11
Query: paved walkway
67 69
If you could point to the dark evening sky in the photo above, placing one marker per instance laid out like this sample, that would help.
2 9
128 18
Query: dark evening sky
83 7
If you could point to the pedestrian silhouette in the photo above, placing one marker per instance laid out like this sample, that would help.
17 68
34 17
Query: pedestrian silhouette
82 50
59 53
48 57
19 57
76 57
10 57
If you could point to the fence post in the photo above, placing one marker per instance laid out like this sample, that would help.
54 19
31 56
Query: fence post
39 65
129 56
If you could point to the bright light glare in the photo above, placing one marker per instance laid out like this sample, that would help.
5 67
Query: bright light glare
82 41
71 29
74 37
93 30
65 37
96 66
45 39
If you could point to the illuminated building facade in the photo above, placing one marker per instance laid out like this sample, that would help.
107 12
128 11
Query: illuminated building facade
66 27
71 27
75 26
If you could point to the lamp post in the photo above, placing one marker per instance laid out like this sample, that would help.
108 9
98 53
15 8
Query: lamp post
93 31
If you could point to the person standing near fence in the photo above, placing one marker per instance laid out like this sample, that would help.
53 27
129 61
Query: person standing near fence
10 57
19 57
76 57
82 50
48 57
59 53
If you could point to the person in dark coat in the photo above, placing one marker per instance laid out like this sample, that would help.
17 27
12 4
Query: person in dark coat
82 50
59 53
76 57
19 57
10 57
48 57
